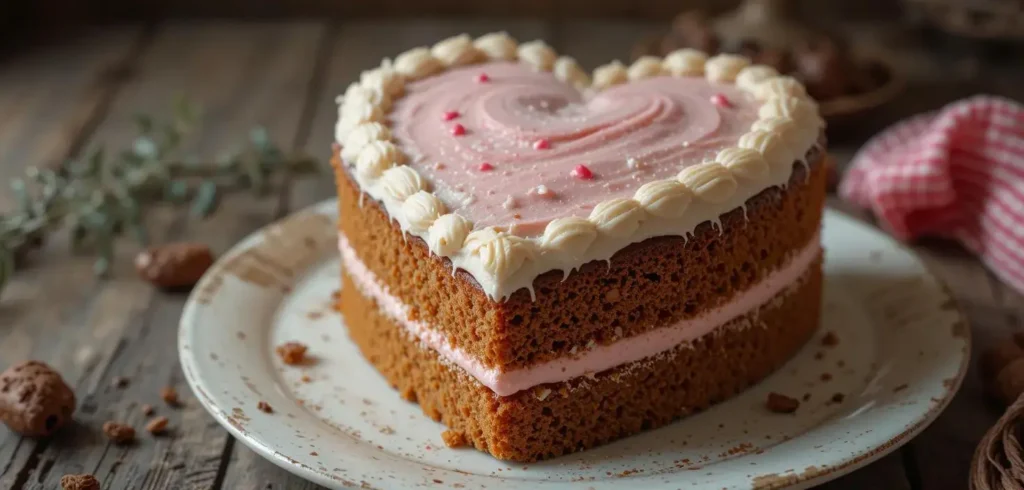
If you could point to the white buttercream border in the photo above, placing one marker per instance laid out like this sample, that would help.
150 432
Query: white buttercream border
597 358
788 126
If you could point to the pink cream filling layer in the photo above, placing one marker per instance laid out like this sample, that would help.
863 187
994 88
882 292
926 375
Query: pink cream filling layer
600 357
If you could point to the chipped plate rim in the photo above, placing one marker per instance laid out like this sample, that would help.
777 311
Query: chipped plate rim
222 390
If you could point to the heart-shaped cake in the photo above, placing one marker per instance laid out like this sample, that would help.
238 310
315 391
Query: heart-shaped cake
525 245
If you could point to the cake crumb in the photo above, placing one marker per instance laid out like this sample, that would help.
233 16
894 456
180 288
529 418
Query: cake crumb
900 388
170 396
830 339
305 378
838 398
826 376
264 407
819 356
806 397
119 382
292 353
118 433
542 393
387 430
453 439
147 409
779 403
157 426
79 482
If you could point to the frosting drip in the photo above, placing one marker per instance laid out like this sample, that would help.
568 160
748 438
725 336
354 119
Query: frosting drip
533 130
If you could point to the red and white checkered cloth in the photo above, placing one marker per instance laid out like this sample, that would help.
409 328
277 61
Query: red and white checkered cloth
956 173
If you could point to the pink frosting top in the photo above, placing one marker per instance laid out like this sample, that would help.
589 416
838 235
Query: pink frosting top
506 151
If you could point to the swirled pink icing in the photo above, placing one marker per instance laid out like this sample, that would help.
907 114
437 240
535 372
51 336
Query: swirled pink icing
522 133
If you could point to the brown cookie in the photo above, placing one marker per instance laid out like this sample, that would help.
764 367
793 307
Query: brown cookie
174 265
34 399
79 482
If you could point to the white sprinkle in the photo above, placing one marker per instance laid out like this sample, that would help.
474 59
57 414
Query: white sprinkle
542 190
633 163
686 144
510 203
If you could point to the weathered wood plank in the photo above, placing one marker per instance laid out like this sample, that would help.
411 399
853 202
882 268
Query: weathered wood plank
596 42
243 75
50 95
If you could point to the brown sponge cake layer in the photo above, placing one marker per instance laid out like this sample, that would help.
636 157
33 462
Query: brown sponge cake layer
656 282
559 418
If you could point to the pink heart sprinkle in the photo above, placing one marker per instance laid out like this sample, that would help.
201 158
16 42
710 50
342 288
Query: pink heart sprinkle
541 144
458 130
720 100
482 78
449 115
582 172
485 167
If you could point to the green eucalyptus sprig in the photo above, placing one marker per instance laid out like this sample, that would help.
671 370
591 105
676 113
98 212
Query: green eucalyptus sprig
100 196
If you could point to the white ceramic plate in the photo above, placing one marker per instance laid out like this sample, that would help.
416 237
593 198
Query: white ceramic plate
902 353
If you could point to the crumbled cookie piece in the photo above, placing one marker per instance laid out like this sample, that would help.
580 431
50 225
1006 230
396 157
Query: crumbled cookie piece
830 339
779 403
79 482
170 396
292 353
454 439
174 265
119 433
34 399
264 407
157 426
147 409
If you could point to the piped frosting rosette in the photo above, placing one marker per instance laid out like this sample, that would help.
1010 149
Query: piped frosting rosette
615 157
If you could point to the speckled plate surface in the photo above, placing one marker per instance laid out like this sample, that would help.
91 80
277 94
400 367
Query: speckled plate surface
901 355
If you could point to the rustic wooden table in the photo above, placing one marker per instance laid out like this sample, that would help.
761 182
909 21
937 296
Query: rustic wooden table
58 99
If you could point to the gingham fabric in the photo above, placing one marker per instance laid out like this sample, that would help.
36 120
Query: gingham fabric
955 173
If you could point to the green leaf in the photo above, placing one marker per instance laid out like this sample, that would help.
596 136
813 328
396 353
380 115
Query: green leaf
144 147
21 195
205 201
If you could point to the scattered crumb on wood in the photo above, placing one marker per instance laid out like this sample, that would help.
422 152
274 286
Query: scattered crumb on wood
830 339
453 439
79 482
838 398
900 388
292 353
147 409
264 407
119 382
118 433
170 396
807 396
819 356
157 426
780 403
826 376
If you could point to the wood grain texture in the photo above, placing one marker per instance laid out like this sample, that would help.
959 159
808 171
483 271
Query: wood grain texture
243 75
